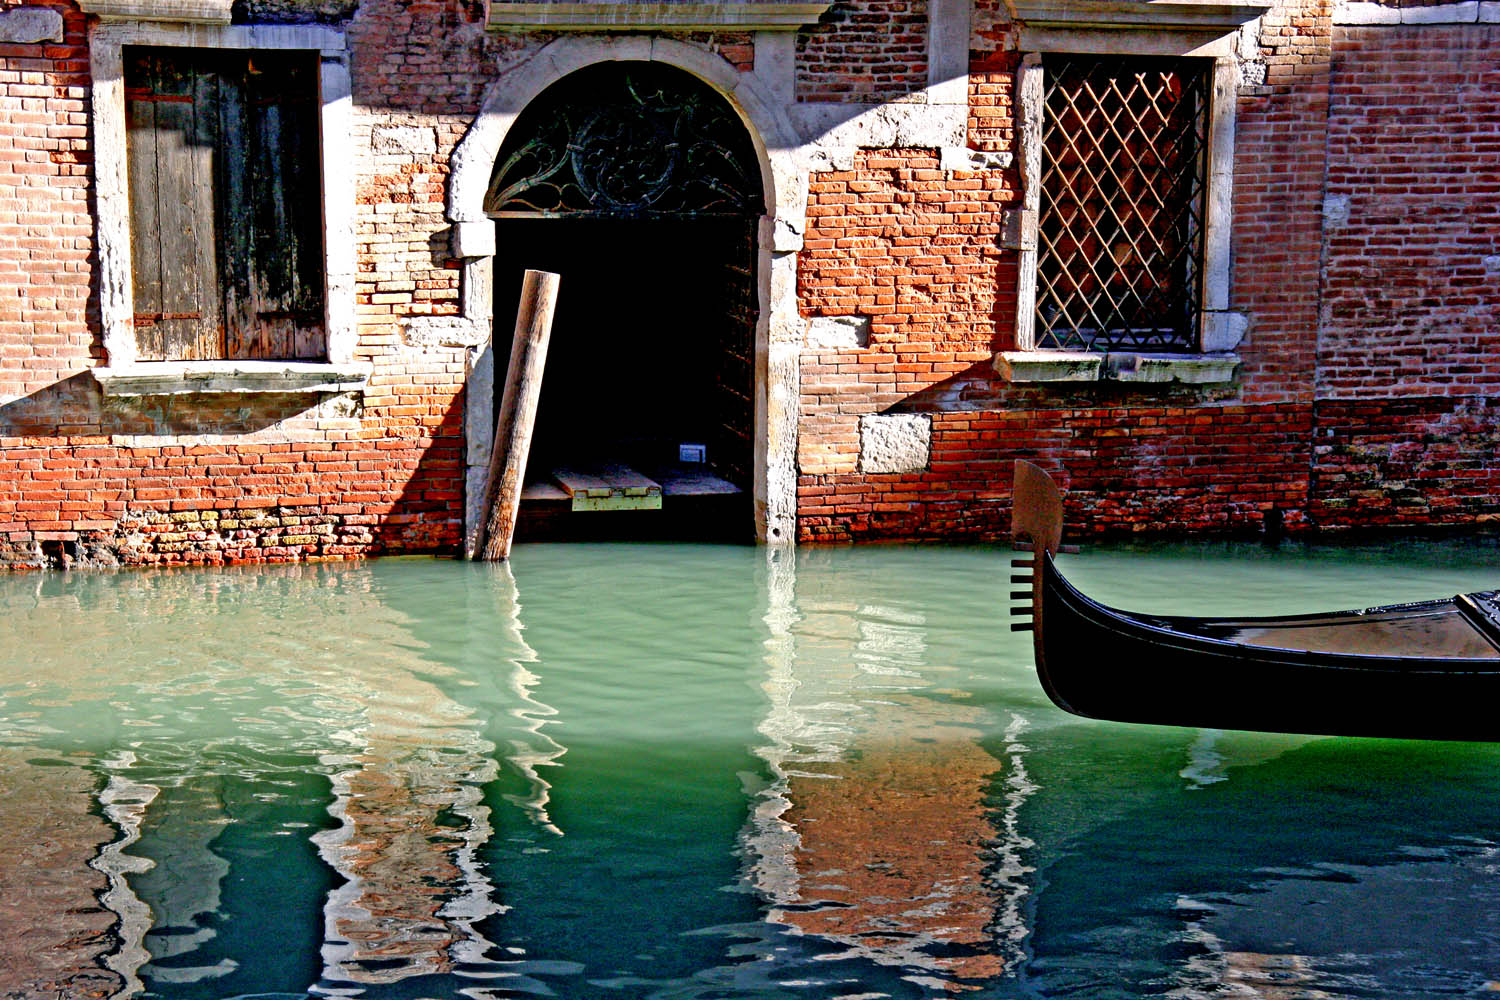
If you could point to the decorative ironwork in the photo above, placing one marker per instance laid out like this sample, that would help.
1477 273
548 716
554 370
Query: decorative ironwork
1120 253
627 140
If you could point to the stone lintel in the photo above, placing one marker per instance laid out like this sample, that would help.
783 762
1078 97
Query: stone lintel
183 11
628 16
1160 15
170 378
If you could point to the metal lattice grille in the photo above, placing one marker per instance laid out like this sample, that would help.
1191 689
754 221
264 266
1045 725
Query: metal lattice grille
627 140
1124 167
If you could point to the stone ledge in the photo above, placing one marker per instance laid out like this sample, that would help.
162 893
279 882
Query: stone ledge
186 11
1160 15
627 16
1362 13
1087 366
1049 366
170 378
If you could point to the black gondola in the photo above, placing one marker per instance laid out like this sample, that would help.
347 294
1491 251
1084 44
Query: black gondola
1429 670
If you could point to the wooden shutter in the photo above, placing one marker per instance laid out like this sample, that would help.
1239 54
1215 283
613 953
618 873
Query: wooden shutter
226 207
172 133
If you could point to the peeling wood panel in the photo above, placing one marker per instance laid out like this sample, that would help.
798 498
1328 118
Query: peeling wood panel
226 222
170 146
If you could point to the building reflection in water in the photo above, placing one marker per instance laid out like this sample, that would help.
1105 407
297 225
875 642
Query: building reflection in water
877 832
126 837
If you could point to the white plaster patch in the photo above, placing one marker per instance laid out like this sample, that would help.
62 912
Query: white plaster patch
28 25
838 333
963 158
404 139
1336 211
895 442
1492 264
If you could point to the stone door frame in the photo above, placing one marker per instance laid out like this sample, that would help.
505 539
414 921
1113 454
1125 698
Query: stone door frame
759 98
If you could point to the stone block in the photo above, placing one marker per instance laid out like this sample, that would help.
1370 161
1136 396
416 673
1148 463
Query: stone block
895 442
836 333
403 140
29 25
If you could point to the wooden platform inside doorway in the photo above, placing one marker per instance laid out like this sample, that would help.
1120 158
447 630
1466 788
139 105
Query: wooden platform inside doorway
620 487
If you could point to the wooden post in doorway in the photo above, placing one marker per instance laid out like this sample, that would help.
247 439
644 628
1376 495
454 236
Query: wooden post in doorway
517 417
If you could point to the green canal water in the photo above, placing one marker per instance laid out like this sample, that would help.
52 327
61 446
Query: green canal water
692 772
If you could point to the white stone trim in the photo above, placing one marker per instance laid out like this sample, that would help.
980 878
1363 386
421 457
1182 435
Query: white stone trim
1357 13
1048 366
1218 218
1115 366
619 15
759 97
112 192
170 378
948 25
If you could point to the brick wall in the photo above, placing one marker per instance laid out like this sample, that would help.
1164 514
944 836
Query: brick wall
1361 400
238 477
914 249
1411 292
864 51
1279 166
46 230
1127 470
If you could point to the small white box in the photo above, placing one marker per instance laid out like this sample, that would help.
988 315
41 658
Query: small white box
692 453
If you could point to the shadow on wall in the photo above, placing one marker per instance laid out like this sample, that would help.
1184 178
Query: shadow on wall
229 477
76 407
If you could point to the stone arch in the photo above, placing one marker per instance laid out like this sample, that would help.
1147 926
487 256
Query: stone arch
784 176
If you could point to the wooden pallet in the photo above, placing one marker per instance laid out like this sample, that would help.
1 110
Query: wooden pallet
609 487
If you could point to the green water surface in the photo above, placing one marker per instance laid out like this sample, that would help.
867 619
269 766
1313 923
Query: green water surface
676 771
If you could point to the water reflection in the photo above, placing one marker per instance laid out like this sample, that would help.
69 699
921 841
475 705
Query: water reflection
686 772
328 717
874 833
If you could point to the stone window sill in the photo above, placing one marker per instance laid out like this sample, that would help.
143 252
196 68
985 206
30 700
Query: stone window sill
1087 366
170 378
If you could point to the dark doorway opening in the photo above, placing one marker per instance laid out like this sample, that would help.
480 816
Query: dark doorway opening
651 367
639 185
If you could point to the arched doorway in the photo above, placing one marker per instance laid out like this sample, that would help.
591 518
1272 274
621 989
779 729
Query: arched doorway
638 184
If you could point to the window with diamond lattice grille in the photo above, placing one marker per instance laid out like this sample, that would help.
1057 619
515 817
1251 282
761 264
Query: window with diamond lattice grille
1120 237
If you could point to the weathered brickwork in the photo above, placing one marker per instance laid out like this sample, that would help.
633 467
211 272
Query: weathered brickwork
46 230
1128 471
864 51
1279 165
225 477
1416 462
1411 282
913 249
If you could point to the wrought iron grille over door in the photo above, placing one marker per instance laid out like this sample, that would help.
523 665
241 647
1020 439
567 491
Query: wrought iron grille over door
627 140
1124 169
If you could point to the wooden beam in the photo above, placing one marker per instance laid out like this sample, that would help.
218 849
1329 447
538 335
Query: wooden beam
513 426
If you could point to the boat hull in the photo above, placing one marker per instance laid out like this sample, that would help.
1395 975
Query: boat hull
1106 664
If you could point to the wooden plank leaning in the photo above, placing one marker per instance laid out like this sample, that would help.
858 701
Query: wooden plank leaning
517 417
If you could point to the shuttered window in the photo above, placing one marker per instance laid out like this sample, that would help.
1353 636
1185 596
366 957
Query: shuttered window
225 205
